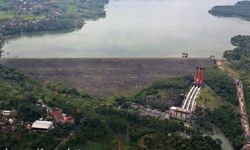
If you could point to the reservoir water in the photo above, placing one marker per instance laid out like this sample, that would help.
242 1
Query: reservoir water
140 28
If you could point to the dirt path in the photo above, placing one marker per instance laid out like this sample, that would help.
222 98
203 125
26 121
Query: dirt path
64 140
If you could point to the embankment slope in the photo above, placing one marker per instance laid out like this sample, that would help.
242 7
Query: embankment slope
106 76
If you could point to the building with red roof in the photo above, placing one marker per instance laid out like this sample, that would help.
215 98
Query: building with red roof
69 119
61 118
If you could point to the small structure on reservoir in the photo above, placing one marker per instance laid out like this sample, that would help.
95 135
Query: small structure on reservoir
42 125
219 62
184 55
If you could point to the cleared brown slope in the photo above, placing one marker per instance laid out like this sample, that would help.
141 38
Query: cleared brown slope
108 75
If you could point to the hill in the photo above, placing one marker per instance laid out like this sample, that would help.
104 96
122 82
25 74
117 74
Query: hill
240 9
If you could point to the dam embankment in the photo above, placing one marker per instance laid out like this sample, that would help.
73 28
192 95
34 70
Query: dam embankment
106 76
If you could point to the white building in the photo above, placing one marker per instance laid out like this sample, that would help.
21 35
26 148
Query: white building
6 112
42 125
180 113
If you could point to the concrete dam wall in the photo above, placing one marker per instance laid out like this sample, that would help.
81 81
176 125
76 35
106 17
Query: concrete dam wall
106 76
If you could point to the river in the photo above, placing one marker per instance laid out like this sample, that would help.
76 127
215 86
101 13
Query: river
218 134
140 28
226 145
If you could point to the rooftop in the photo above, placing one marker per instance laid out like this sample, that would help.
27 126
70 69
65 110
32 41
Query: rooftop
57 116
42 124
180 109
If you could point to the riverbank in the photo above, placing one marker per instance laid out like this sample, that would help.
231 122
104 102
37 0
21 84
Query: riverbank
217 134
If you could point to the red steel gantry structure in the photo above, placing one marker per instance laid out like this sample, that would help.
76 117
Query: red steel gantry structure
199 76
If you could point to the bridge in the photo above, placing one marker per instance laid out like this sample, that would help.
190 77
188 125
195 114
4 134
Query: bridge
188 105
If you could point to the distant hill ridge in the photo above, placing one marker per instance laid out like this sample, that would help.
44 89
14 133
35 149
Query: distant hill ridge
241 9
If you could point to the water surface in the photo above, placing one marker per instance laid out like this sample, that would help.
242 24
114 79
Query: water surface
140 28
226 145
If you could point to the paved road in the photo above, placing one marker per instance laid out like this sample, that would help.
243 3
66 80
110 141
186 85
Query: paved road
242 108
243 113
244 117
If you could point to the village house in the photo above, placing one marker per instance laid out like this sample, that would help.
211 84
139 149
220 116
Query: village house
60 117
7 120
6 112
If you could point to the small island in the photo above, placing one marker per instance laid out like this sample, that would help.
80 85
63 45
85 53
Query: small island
240 9
28 16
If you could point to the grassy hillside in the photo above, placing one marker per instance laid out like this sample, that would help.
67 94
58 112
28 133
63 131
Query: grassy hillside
209 99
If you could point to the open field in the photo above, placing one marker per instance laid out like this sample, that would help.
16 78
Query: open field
106 76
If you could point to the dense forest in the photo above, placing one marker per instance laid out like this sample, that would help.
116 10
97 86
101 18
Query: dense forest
239 57
240 9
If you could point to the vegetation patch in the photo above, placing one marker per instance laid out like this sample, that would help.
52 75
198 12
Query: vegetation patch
209 99
180 85
1 2
221 84
228 120
222 106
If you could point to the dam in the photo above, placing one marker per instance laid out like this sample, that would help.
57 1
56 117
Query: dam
106 76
